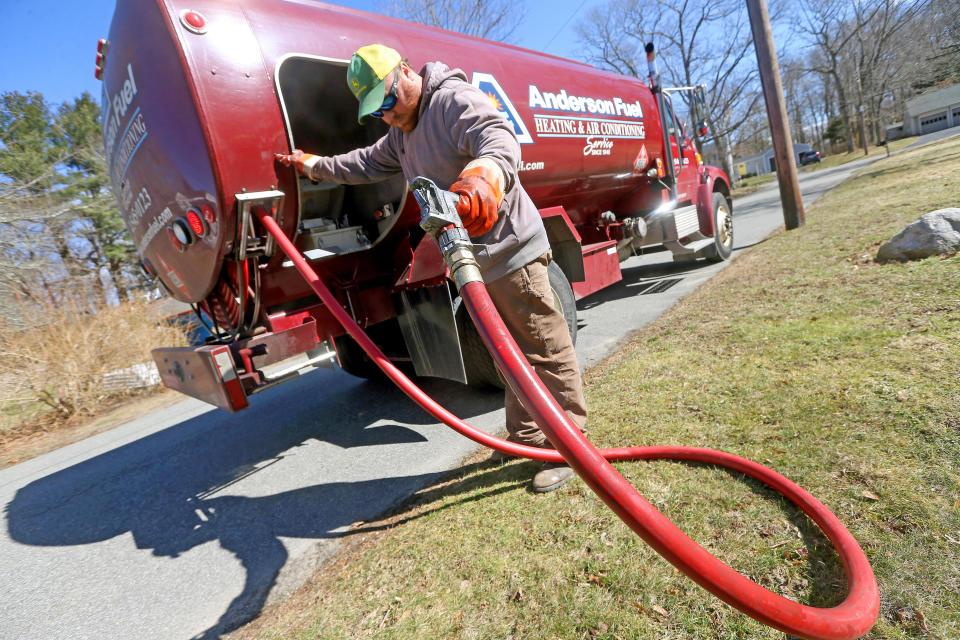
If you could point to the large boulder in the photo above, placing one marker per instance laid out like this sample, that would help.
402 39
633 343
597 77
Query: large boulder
937 232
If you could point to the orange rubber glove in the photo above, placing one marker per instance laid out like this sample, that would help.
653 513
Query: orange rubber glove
303 162
480 187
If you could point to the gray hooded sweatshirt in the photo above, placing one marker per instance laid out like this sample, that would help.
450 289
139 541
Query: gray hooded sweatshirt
457 124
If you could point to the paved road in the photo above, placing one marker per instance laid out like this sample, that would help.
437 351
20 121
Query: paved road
185 522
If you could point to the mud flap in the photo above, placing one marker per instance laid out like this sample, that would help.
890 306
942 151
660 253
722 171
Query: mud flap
705 208
430 332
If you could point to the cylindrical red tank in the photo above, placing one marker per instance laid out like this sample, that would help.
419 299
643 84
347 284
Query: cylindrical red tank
199 95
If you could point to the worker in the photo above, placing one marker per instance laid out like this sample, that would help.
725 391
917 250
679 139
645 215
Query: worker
447 130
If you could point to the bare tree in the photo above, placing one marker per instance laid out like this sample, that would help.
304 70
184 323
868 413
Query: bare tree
818 103
59 226
855 46
491 19
699 42
794 79
830 25
930 54
877 65
753 136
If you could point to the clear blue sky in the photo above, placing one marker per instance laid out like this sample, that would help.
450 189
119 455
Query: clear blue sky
51 47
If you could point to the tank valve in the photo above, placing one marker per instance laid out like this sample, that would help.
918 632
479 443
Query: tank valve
439 218
635 227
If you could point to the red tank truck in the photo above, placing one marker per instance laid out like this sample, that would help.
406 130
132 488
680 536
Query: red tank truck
198 97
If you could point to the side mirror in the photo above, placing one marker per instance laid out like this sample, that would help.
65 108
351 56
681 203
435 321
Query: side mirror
699 111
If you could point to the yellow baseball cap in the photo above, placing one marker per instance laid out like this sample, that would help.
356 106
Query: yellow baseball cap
368 68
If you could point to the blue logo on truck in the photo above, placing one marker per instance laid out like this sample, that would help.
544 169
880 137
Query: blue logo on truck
489 85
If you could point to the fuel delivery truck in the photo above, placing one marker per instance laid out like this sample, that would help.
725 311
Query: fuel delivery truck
198 96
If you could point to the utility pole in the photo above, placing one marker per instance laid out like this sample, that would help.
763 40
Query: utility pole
793 215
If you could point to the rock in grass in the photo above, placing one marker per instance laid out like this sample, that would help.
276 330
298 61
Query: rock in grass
935 233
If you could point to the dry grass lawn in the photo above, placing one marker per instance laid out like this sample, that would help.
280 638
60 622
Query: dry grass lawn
52 372
804 354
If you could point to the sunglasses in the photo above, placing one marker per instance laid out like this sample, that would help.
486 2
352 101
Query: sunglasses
390 101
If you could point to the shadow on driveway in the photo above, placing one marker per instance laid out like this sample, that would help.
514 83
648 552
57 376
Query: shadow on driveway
163 488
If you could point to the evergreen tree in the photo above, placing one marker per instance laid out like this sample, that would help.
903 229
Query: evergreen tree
88 187
834 132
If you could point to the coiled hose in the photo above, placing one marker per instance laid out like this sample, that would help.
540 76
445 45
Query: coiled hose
850 619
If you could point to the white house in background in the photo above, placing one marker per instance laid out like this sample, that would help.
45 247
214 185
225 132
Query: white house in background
761 163
928 112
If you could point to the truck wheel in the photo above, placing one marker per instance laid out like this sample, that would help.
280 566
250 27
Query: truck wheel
723 228
563 297
355 360
481 371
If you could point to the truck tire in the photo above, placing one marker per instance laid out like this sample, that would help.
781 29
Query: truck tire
481 371
723 228
355 360
563 297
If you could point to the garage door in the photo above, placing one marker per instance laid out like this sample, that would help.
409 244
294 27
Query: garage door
934 122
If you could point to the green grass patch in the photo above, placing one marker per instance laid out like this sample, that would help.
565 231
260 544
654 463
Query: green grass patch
804 354
751 184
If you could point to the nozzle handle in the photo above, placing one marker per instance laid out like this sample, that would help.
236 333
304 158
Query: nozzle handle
438 208
439 218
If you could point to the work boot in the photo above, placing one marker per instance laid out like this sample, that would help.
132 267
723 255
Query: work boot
552 475
499 457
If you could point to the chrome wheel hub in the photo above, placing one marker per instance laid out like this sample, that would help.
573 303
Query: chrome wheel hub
724 226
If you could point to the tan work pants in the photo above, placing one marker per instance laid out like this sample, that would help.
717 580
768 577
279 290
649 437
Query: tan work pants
525 302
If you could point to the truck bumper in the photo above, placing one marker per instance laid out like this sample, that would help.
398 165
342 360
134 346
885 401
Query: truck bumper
225 374
207 373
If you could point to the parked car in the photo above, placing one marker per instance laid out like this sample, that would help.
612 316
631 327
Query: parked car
809 157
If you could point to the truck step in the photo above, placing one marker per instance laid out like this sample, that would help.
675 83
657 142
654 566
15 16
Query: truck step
692 250
686 220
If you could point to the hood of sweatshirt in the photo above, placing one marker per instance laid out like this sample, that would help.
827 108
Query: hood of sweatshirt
435 74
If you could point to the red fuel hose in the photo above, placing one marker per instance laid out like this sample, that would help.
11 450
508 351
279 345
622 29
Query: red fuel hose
850 619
